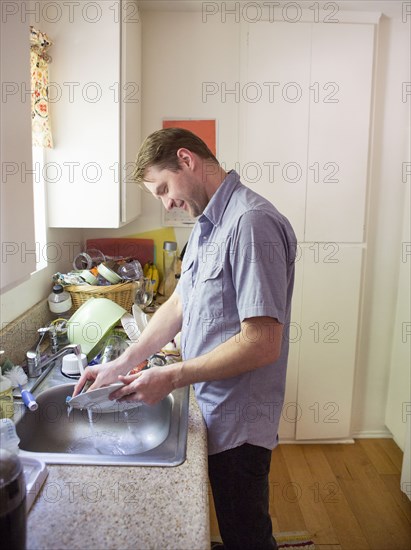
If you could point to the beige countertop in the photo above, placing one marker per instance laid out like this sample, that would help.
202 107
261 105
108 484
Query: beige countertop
120 507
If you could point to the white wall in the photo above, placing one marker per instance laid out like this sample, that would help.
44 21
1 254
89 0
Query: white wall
62 244
398 410
17 195
384 231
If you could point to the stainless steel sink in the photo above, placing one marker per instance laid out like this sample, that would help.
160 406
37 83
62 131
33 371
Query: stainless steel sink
145 436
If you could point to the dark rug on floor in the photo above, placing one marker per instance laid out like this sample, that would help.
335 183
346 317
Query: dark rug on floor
294 540
290 540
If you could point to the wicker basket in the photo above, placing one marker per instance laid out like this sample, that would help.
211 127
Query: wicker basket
123 294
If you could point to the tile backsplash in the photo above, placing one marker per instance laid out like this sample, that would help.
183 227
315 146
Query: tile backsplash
21 334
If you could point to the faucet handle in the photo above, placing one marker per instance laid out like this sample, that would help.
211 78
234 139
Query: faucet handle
33 363
43 330
33 357
53 334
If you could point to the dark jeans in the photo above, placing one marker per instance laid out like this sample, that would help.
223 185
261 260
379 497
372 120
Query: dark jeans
239 481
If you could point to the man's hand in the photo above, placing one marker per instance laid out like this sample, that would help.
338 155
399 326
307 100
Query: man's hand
100 375
151 385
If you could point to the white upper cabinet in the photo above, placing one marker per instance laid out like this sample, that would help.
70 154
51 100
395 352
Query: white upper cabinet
341 84
95 109
274 111
305 113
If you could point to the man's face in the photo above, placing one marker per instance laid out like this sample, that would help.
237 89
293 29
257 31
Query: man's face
181 189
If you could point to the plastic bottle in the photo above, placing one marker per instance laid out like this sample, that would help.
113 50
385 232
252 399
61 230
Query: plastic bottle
6 398
12 491
169 267
60 303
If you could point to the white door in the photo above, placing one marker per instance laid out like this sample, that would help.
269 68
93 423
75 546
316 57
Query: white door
341 84
329 323
274 108
304 146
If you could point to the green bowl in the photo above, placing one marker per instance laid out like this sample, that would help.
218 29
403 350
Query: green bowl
89 325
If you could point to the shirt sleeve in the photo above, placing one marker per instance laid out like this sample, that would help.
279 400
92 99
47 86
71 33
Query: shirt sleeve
260 261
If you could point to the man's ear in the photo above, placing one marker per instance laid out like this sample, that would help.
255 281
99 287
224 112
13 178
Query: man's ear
186 157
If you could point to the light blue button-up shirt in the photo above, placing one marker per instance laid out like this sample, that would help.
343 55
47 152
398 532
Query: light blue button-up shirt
239 263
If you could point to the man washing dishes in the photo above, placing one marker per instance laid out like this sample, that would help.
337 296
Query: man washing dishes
232 306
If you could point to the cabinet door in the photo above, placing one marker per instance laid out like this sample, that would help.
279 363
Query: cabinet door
83 186
96 102
341 83
130 115
329 319
274 107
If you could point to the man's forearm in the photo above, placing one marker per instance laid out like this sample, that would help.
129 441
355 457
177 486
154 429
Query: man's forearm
162 328
237 355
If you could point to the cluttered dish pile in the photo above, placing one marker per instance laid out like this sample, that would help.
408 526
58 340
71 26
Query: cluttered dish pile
105 303
98 276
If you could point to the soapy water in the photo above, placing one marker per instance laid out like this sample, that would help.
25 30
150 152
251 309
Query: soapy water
106 442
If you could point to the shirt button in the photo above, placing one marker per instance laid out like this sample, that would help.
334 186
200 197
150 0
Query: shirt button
204 238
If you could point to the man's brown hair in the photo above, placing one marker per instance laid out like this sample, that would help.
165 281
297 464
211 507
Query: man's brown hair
160 148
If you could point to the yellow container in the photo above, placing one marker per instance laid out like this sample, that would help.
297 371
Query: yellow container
6 399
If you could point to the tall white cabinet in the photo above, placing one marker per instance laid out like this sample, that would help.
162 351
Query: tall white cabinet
95 98
306 115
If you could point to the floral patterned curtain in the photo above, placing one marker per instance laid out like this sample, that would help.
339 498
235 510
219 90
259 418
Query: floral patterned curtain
40 116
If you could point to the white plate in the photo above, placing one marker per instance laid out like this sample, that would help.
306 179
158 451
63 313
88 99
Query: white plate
98 401
131 327
140 317
35 473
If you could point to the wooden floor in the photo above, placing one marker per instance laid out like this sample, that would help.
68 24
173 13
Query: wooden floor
346 496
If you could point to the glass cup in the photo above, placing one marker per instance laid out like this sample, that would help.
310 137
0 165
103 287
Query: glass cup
115 346
131 271
144 294
88 259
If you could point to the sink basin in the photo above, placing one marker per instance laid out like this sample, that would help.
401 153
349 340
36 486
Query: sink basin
144 436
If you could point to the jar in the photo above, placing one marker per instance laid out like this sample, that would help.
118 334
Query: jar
60 303
169 267
12 501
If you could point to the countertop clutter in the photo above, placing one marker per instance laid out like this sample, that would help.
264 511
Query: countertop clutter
139 508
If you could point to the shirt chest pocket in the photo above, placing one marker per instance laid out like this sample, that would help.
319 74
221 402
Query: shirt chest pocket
186 280
210 292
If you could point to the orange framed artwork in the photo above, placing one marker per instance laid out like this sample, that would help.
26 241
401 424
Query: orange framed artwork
204 129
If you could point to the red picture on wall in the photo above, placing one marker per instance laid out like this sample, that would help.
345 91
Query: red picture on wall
204 129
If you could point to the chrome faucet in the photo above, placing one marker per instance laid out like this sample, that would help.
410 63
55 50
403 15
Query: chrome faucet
36 364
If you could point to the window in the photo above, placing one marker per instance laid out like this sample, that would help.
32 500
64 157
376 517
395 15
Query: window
39 203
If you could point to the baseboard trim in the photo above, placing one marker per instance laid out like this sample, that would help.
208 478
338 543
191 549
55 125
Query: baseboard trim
373 434
366 434
314 441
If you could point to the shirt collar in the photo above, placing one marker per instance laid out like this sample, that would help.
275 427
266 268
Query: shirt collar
216 207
